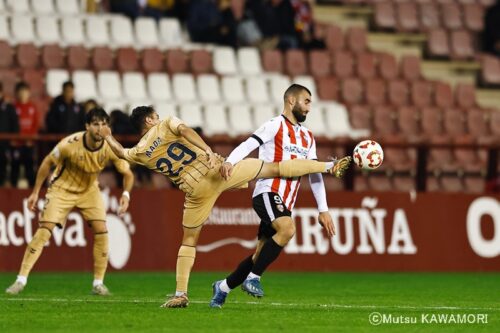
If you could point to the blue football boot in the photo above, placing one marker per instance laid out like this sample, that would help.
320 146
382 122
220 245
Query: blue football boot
218 296
253 287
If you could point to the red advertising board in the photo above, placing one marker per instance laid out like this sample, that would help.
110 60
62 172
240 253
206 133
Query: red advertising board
375 232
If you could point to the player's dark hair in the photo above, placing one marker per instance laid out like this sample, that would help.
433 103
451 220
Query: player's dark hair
294 90
96 114
68 84
21 85
139 115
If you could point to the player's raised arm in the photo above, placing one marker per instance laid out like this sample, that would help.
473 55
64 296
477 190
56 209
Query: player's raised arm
116 147
41 175
190 134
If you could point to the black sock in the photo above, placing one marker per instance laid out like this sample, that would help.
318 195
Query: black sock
240 274
270 251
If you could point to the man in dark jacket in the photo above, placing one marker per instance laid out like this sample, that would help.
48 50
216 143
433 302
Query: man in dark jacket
65 115
9 123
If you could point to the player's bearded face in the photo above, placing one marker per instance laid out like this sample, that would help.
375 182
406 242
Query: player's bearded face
299 112
94 129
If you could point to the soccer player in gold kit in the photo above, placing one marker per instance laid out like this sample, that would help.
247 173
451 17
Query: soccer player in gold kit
177 151
79 158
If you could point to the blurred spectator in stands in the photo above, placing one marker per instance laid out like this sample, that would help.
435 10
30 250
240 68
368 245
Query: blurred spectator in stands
491 33
65 115
304 25
130 8
120 123
23 151
89 105
212 21
276 21
9 123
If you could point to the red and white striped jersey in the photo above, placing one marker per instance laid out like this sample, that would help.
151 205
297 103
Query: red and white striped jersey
281 140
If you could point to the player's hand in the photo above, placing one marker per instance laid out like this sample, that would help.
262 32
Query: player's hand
341 166
105 131
226 170
32 199
325 219
124 201
211 158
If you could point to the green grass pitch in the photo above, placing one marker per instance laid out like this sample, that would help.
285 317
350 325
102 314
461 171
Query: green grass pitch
294 302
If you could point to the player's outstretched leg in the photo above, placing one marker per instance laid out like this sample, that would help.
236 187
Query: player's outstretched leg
185 262
297 168
100 252
31 255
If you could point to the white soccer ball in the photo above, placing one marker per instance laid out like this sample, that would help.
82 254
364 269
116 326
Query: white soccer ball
368 155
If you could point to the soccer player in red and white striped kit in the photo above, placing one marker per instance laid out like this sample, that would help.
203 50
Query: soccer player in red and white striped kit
281 138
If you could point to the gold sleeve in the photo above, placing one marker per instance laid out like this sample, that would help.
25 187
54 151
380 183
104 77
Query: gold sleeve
130 154
173 124
59 152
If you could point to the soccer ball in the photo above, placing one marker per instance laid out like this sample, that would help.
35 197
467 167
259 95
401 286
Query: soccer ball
368 155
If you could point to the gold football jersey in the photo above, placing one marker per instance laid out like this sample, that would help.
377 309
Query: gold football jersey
78 166
164 150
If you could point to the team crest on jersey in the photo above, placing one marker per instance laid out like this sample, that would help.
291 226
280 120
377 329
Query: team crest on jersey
281 208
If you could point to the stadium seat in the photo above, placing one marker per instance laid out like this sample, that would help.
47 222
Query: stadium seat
328 88
451 184
477 123
410 67
146 32
165 110
134 86
256 89
337 122
78 57
474 184
224 60
85 85
232 89
465 95
421 93
9 79
52 57
17 6
398 92
308 82
127 59
467 158
249 61
360 117
431 121
473 17
356 39
27 56
334 39
109 85
319 62
152 60
36 80
490 70
461 47
454 122
55 79
343 64
352 91
68 7
366 65
47 29
408 122
262 113
452 16
216 122
184 87
443 95
102 59
388 66
96 30
407 17
170 33
403 183
43 7
278 85
384 117
112 105
380 183
272 61
495 123
22 29
295 62
396 158
429 16
208 88
176 61
159 87
240 119
385 15
201 62
441 158
4 28
315 121
121 31
7 55
72 30
376 92
437 43
191 113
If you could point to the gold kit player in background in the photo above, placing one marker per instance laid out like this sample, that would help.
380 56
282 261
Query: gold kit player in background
177 151
79 158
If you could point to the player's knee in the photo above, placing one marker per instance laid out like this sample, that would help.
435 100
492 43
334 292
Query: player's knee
48 226
99 227
286 230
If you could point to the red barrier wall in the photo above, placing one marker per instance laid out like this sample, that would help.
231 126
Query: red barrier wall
375 232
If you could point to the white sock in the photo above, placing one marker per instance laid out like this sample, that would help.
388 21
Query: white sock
22 279
179 293
97 282
224 287
253 276
329 165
